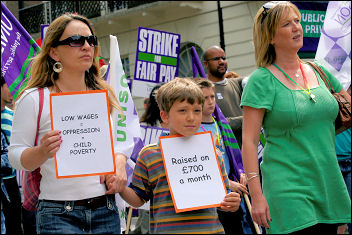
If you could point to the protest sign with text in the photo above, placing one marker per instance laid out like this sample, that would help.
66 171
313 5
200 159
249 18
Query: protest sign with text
157 59
87 145
193 172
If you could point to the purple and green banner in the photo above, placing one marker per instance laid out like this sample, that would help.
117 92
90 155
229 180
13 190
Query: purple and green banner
17 50
157 59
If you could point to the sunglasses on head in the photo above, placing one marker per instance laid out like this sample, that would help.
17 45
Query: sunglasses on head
78 41
217 58
266 7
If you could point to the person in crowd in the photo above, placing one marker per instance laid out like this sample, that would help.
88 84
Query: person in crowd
228 91
6 111
232 221
151 116
67 63
6 169
302 186
12 207
145 103
343 152
180 102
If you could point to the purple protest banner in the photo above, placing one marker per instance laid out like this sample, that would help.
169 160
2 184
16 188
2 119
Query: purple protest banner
334 49
150 134
17 50
157 59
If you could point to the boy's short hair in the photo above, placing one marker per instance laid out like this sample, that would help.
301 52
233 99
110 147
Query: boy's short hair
179 89
204 83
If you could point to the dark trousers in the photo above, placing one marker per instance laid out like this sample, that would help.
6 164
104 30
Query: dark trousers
29 222
319 229
231 221
12 208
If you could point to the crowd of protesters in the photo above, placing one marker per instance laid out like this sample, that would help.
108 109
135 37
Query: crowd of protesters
301 185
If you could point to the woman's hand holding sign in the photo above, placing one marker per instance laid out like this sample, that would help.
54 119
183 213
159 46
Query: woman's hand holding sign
50 143
33 158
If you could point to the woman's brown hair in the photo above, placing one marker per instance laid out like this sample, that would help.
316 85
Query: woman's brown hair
43 75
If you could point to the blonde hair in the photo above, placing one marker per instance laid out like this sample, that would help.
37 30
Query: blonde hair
179 89
204 83
43 75
265 29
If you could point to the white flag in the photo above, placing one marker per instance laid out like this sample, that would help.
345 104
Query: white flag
334 48
127 134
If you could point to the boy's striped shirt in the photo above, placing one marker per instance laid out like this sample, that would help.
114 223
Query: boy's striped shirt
150 183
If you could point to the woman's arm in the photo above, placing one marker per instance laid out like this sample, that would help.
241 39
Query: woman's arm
34 157
252 122
117 182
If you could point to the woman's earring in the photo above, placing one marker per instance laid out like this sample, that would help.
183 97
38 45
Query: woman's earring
57 67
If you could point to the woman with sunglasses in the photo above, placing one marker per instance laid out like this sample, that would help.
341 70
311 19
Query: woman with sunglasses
66 63
302 187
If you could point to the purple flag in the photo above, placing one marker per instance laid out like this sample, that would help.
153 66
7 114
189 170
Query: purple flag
17 50
334 49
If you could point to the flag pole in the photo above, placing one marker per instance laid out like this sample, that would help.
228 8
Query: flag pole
128 220
256 227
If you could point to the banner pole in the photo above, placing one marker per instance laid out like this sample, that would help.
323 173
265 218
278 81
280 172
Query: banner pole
250 212
128 220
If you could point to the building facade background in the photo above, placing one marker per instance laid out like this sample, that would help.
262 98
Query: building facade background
198 22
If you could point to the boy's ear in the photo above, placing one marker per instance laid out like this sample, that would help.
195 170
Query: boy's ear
164 116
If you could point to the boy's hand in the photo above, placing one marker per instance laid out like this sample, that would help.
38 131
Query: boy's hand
114 183
231 202
238 188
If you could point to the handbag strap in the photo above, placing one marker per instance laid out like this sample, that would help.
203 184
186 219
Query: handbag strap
41 102
323 76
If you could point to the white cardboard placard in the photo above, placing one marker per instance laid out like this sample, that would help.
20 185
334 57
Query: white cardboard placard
84 121
193 172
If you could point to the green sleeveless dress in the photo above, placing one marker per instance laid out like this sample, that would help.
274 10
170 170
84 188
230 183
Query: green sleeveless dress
301 179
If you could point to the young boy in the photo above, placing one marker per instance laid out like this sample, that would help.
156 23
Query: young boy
231 221
180 102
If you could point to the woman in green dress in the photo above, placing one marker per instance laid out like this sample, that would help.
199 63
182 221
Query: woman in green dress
302 186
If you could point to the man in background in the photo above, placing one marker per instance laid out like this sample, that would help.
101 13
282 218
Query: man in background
228 91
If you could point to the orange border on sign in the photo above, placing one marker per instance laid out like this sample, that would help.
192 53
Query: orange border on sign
167 176
111 140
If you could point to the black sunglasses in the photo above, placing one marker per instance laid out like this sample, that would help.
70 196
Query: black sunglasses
217 58
78 41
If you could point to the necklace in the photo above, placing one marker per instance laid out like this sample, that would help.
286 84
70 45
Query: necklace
307 91
217 131
58 90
